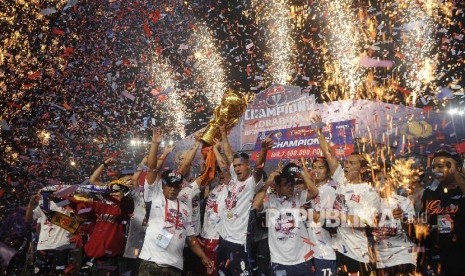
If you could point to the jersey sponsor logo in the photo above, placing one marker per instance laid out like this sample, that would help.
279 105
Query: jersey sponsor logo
433 207
172 215
212 204
231 200
355 198
107 218
285 224
385 231
339 203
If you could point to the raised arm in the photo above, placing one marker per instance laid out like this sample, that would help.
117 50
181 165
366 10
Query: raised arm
222 163
312 190
226 146
189 155
137 173
266 145
30 207
324 146
152 157
259 198
94 178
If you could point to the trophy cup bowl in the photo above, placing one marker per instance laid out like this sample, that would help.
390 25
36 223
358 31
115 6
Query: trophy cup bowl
233 105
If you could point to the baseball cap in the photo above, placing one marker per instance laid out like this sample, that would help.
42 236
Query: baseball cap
171 178
292 173
449 154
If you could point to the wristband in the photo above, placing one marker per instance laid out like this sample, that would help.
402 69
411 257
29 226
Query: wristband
104 164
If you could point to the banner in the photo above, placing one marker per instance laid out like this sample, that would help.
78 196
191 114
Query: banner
405 129
278 107
300 142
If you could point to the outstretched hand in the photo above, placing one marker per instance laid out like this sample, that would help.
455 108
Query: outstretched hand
317 122
267 143
157 136
305 171
168 149
109 161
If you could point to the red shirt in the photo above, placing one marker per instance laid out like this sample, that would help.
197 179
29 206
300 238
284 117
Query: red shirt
107 237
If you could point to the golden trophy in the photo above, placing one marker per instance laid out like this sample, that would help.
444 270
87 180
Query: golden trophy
233 105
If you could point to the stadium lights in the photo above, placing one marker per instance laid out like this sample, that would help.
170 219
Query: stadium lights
137 142
456 111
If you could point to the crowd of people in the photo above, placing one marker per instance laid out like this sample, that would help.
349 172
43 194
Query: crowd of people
66 64
322 216
76 79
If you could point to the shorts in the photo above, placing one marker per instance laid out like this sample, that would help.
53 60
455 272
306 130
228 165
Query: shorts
346 265
324 267
51 261
302 269
148 268
232 259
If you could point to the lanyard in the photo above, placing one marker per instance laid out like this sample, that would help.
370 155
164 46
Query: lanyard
177 214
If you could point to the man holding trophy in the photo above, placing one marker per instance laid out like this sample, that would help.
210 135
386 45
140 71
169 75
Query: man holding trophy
245 181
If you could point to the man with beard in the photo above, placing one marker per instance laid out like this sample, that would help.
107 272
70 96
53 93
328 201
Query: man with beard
444 206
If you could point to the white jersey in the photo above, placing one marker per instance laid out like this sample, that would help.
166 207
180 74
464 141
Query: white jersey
337 177
360 200
393 246
165 215
320 237
136 230
51 236
190 195
237 201
213 211
287 233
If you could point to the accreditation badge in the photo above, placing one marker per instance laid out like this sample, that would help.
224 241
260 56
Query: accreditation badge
164 238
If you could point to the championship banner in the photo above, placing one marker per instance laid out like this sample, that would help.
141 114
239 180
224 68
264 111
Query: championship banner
278 107
292 143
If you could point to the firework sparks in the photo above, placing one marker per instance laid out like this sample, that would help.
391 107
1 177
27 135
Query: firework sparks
211 75
344 41
173 109
275 14
403 174
418 42
44 137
